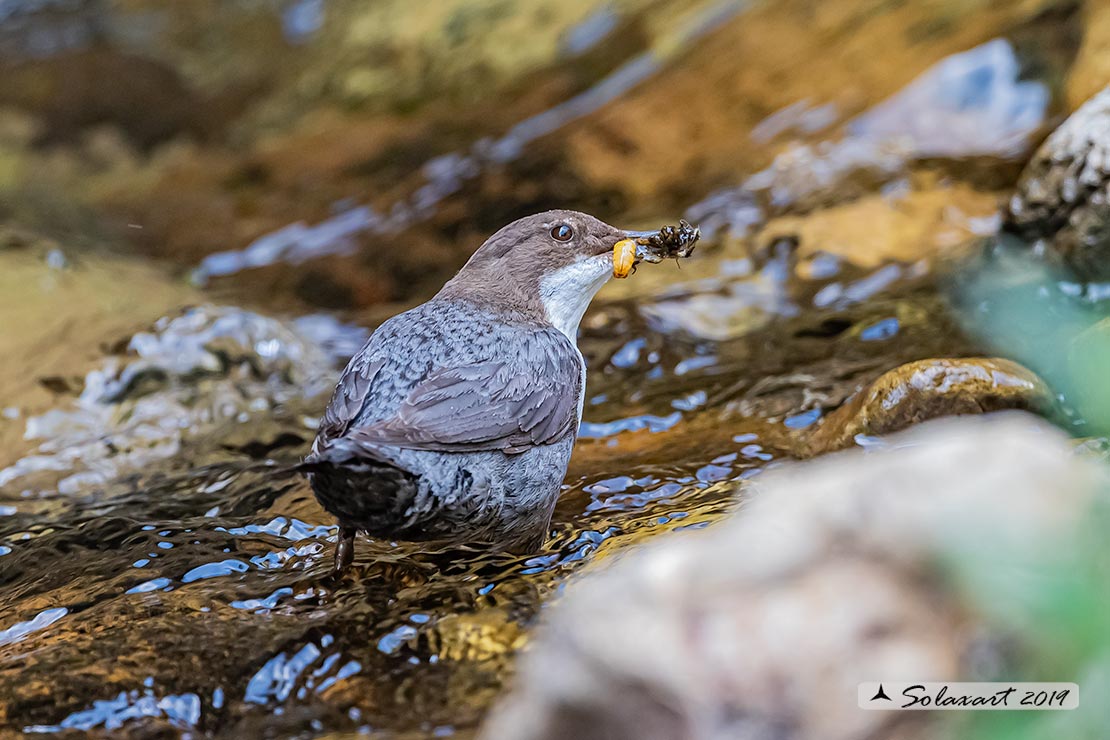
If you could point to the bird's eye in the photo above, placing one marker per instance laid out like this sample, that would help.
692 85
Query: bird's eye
562 233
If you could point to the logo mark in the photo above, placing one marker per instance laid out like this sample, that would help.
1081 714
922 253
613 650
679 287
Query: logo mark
880 694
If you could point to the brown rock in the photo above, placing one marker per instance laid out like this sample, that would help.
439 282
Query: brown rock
927 389
877 229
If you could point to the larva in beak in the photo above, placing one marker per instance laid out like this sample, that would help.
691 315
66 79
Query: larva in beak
624 257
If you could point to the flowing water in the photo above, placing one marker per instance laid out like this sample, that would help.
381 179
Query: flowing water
162 572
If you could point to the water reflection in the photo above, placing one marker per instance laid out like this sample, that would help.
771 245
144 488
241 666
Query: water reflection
182 711
42 620
446 174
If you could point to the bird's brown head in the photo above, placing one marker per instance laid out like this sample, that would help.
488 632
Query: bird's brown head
549 266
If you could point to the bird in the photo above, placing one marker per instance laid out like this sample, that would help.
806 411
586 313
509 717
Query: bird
457 418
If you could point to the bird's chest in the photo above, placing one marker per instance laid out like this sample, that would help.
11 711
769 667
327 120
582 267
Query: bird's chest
581 384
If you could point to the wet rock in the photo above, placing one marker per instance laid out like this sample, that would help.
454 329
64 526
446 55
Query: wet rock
195 377
763 63
917 221
830 575
56 322
969 104
927 389
1062 203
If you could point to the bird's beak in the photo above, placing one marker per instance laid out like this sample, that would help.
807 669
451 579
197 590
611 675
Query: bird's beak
653 246
627 252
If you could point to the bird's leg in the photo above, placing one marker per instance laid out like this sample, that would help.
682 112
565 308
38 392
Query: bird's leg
344 549
531 542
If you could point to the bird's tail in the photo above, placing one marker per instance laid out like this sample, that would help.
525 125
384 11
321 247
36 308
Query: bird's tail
358 483
344 452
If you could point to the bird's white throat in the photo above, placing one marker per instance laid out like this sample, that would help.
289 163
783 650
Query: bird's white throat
567 292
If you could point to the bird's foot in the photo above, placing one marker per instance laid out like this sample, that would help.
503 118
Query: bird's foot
344 550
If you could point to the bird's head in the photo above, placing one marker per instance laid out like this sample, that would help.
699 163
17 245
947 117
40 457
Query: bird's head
551 264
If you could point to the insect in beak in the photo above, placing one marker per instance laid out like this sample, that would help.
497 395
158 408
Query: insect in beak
624 257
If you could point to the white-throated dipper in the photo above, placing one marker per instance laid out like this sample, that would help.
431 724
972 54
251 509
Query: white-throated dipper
456 420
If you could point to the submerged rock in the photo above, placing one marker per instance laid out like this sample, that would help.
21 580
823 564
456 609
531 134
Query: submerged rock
927 389
1062 203
764 625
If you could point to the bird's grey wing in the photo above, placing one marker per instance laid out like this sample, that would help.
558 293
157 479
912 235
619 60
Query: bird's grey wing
349 397
527 396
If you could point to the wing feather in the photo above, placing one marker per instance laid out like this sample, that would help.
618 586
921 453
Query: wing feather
448 377
347 400
529 397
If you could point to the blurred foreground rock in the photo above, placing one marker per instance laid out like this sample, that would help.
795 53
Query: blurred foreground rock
831 575
1062 203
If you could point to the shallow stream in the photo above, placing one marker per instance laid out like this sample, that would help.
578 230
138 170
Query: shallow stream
159 569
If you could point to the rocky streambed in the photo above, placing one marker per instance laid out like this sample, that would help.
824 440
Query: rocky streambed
177 305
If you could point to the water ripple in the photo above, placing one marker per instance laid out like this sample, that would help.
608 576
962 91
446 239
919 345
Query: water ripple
42 620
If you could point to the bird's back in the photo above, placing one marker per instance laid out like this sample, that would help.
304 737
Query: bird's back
404 351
